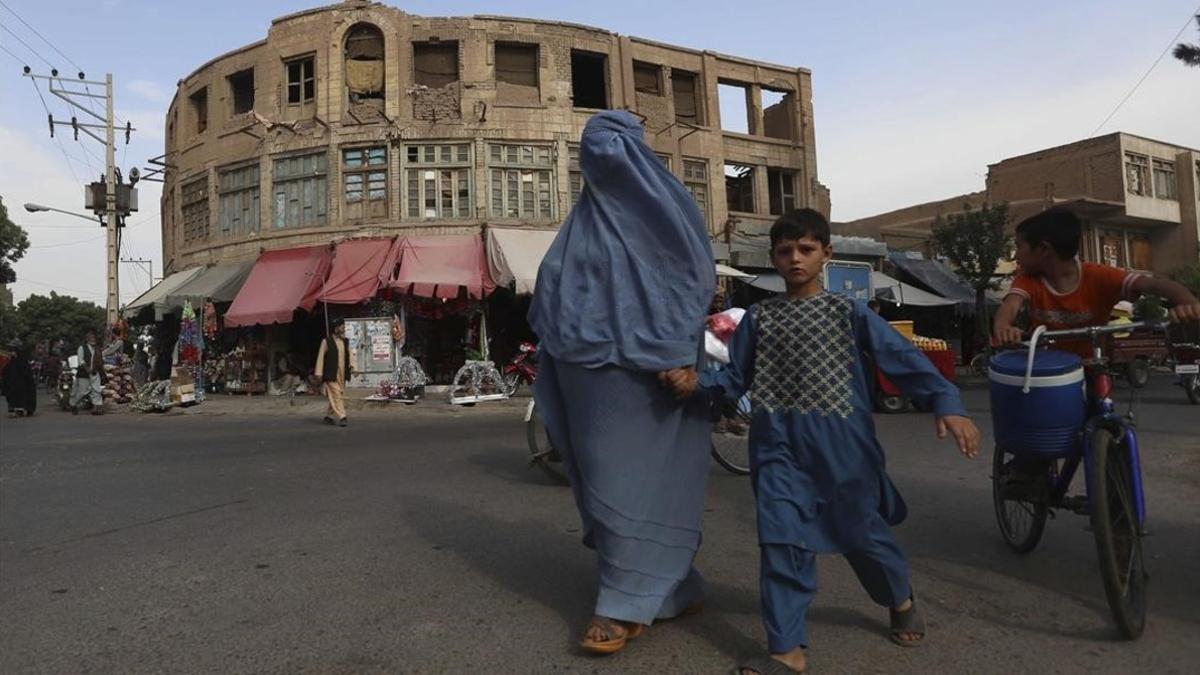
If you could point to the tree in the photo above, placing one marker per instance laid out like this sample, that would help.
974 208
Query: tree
974 242
13 244
49 318
1189 54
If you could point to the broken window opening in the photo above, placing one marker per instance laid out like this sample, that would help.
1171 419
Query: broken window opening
739 187
200 109
782 188
647 78
517 73
735 107
241 90
778 113
364 66
301 84
589 79
435 64
684 90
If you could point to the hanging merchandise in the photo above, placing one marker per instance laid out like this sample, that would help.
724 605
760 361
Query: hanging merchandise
210 321
191 347
398 331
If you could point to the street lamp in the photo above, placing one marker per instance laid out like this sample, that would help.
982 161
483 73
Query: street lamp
34 208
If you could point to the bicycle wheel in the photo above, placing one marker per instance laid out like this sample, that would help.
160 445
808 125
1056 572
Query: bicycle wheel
731 444
541 452
1021 521
1118 533
979 365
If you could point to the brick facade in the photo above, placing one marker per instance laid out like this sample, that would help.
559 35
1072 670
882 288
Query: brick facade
360 102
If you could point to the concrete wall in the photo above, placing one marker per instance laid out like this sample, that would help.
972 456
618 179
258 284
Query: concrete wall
474 110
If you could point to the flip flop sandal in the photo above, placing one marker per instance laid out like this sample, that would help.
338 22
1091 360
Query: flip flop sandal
765 665
613 644
909 621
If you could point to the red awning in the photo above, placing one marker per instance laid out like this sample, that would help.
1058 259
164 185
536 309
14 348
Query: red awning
281 282
359 267
439 266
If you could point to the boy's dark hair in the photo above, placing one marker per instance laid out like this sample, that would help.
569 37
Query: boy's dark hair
798 224
1059 227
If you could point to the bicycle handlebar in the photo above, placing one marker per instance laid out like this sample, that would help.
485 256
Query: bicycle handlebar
1093 332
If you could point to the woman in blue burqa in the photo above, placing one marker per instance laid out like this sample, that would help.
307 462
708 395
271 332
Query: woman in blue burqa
621 296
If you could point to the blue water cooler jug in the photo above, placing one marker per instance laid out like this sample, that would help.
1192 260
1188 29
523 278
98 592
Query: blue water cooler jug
1043 415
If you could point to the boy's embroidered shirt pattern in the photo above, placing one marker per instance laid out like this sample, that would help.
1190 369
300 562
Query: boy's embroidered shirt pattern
803 356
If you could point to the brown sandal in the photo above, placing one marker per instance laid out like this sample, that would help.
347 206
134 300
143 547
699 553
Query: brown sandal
615 642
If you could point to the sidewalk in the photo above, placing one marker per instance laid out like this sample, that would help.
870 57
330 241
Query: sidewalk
312 405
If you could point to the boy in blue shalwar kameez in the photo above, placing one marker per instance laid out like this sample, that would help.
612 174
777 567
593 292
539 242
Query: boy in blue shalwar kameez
818 469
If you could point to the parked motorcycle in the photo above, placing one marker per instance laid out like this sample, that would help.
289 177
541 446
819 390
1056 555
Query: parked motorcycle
1187 370
521 368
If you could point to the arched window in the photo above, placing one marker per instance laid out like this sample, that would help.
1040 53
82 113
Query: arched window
365 70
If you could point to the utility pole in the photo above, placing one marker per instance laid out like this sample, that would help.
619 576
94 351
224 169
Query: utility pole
110 207
146 264
111 199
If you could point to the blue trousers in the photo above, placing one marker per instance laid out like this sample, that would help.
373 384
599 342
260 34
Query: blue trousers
788 583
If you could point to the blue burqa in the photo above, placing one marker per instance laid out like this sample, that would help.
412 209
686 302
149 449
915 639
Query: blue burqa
620 296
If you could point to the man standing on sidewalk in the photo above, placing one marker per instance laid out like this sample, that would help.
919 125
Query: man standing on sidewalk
87 376
333 365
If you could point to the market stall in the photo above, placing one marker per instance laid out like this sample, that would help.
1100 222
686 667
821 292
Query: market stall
282 285
889 398
443 281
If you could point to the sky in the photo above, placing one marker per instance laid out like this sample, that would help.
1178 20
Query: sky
912 100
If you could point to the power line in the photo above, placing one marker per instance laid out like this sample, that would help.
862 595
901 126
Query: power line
35 282
1170 45
69 243
18 37
35 32
15 57
57 140
78 67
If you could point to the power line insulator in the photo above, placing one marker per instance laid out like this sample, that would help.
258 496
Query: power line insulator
50 119
81 75
54 72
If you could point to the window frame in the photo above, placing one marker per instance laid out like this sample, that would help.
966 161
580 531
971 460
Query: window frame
1139 164
364 173
694 183
185 204
529 162
1165 167
223 193
414 176
199 103
440 44
786 178
300 60
646 68
751 175
322 218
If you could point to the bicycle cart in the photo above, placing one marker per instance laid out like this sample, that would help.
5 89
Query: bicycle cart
1047 423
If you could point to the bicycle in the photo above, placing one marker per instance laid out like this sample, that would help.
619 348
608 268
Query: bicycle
730 447
1026 489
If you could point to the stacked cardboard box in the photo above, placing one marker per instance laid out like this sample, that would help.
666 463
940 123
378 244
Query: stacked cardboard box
183 386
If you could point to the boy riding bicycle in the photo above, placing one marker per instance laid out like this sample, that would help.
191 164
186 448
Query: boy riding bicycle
1062 293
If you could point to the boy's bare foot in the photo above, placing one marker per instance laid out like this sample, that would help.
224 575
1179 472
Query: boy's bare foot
776 664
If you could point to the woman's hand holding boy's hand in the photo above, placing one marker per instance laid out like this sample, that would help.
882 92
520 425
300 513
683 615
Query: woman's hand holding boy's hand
965 433
682 381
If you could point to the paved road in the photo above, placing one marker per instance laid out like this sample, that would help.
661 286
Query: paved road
417 541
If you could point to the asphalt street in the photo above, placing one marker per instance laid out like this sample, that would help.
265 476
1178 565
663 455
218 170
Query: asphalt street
417 540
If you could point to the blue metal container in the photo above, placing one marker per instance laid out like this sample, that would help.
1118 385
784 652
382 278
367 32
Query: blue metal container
1043 414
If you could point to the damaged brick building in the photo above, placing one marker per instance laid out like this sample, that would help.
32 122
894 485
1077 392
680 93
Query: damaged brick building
359 119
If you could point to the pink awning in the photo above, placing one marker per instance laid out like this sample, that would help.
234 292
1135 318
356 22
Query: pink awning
280 283
439 266
359 266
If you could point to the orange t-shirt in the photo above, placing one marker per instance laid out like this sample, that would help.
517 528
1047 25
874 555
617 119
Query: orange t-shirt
1090 304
